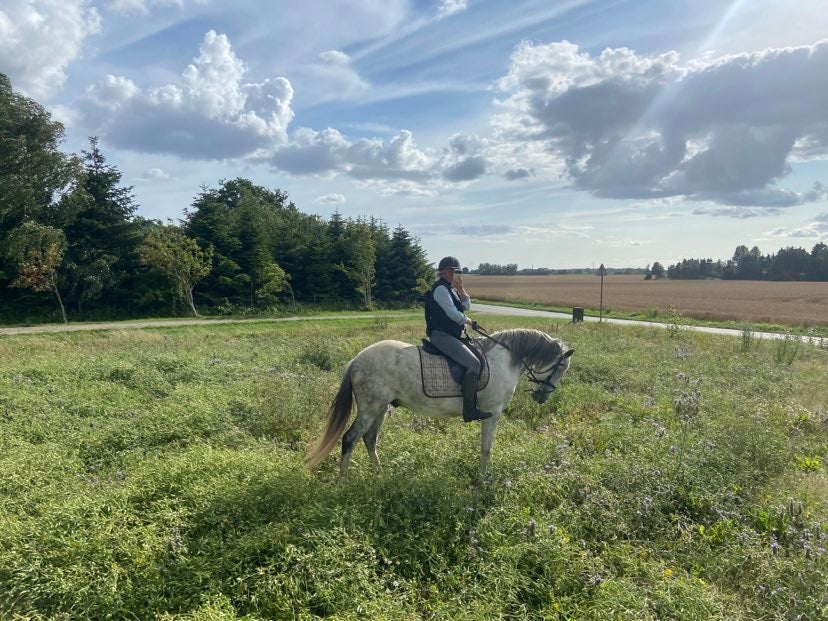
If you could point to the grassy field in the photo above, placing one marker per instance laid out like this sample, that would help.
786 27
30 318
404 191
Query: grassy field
758 302
159 474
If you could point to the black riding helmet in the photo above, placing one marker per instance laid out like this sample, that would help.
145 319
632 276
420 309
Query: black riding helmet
448 263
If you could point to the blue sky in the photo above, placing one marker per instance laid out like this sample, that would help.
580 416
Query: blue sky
545 133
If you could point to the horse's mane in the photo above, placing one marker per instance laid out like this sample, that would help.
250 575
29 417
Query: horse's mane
531 346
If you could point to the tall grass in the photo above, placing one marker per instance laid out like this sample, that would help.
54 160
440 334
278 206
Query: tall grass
159 474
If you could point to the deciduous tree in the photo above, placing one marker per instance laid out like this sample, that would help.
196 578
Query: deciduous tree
657 270
360 259
37 250
170 251
33 172
274 280
33 175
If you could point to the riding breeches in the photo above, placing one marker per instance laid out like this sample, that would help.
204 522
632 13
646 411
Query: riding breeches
456 350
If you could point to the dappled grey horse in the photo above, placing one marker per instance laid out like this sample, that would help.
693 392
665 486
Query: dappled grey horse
388 373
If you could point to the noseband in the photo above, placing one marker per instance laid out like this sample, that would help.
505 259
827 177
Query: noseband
533 377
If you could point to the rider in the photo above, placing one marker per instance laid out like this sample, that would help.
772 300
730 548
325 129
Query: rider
445 320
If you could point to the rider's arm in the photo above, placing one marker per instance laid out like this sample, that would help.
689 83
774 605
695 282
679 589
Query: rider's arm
462 294
443 299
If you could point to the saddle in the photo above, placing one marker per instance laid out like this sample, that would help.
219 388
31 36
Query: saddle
442 376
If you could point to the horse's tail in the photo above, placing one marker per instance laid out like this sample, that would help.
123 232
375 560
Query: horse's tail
338 418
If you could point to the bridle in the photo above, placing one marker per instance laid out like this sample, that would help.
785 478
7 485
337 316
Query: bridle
533 376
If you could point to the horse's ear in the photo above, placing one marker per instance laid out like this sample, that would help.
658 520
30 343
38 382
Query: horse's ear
568 353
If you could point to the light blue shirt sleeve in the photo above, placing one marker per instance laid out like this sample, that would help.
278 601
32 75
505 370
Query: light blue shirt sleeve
443 299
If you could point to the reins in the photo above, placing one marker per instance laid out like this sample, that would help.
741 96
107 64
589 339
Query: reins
531 374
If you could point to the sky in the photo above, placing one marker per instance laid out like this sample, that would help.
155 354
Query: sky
547 133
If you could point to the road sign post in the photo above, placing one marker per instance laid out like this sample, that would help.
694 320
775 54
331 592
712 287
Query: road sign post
602 271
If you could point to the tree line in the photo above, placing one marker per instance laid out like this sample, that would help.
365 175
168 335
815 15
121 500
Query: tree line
509 269
750 264
73 246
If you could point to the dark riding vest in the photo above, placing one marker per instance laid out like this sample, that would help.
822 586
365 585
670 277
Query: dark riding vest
435 316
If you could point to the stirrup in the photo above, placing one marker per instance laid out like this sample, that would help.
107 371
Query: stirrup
476 416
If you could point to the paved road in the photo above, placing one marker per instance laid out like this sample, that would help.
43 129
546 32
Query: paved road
525 312
478 308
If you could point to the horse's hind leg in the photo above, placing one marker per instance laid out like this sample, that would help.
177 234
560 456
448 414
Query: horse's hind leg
366 419
370 439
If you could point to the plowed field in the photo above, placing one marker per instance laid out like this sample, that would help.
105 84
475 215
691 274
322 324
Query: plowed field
793 303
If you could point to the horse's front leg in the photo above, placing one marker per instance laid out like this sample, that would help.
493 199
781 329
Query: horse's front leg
487 432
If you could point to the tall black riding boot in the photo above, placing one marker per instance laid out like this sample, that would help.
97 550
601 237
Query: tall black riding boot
470 411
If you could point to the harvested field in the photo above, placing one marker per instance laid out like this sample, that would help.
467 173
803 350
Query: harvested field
791 303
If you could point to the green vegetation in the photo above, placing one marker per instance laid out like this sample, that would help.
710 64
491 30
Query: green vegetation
787 264
159 474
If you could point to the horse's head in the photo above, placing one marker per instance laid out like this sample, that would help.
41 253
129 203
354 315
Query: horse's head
546 380
543 358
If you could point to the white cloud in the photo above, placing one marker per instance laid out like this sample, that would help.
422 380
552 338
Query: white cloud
39 39
503 232
619 242
820 225
632 126
210 114
329 76
742 213
329 152
214 80
815 229
329 199
332 80
555 231
335 57
113 92
64 114
803 233
143 7
156 174
450 7
393 166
